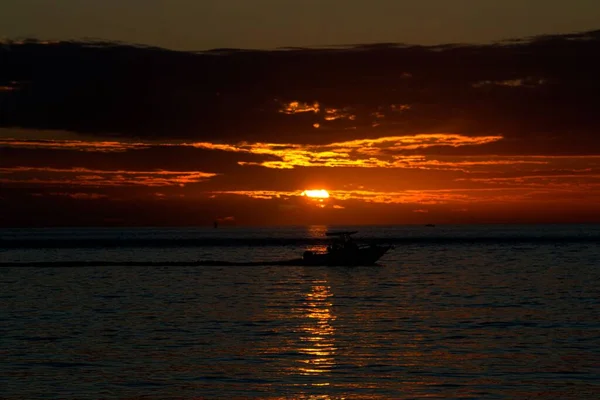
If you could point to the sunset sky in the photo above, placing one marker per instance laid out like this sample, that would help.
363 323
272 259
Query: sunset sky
267 24
96 133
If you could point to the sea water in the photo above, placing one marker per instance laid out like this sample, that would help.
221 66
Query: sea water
498 312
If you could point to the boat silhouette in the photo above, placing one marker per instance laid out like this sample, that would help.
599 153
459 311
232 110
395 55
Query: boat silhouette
345 252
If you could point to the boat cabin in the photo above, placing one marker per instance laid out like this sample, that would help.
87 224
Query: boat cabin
343 241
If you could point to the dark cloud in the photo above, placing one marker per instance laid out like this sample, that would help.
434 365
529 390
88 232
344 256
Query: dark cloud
544 90
177 158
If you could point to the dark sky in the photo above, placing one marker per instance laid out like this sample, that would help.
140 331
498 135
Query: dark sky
104 134
204 24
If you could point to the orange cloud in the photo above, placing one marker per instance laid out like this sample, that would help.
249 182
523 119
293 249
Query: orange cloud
366 153
328 114
383 152
210 146
467 166
78 145
80 196
406 196
294 107
260 194
399 197
412 142
528 82
332 114
89 177
550 180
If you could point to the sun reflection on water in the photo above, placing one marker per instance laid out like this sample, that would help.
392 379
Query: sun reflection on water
317 335
316 231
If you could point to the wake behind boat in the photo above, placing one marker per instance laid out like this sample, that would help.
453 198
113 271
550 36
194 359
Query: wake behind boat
342 252
345 252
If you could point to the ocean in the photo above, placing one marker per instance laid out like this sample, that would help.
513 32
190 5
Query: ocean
453 312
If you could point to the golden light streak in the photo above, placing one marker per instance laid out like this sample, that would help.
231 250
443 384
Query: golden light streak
317 340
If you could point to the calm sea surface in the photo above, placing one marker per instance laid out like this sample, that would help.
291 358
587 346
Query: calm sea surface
486 312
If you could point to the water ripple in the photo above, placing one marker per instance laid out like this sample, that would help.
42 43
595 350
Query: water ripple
465 322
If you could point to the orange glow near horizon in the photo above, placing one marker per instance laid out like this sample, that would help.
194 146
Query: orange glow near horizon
338 199
421 174
316 194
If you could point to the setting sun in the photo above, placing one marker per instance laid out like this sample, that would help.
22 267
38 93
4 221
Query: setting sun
317 194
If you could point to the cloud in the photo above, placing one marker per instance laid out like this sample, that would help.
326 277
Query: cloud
512 83
501 89
502 129
97 178
366 153
124 155
368 196
78 145
261 194
79 195
549 180
459 197
409 152
382 152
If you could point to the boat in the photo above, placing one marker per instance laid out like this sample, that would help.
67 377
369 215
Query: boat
345 252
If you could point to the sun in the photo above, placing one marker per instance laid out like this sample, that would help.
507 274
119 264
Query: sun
316 194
